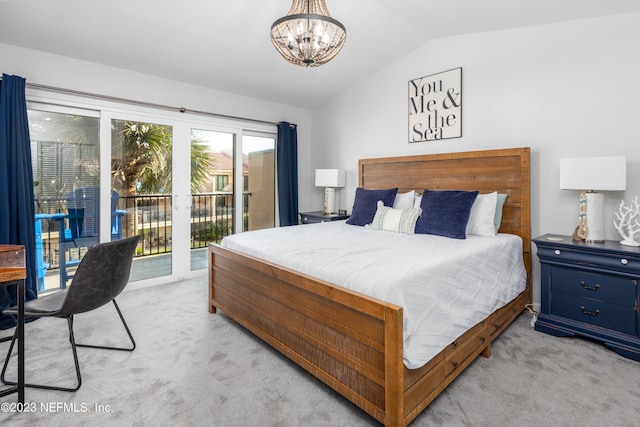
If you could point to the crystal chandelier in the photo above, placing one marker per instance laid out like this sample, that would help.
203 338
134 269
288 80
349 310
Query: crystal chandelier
308 36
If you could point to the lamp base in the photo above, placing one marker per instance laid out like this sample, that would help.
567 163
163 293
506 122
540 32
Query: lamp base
595 217
329 201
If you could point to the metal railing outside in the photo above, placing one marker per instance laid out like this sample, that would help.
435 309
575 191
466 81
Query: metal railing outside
150 217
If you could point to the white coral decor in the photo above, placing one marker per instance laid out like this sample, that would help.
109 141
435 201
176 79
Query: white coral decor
628 222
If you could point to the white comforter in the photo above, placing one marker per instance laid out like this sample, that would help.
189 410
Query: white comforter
444 285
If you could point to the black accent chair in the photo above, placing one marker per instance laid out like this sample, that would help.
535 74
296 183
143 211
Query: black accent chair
101 276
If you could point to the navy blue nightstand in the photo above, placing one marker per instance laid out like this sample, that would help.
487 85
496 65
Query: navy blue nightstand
590 290
318 216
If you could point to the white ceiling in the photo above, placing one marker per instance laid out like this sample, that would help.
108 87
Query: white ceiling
225 44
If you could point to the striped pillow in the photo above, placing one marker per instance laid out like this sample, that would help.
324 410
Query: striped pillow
397 220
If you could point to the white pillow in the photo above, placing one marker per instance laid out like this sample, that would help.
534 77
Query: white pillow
396 220
482 216
404 200
418 201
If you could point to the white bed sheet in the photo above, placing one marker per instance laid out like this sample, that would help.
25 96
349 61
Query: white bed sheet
445 286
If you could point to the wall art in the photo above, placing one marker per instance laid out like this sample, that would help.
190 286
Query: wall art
435 106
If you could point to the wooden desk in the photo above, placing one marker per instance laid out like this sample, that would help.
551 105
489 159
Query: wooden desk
13 271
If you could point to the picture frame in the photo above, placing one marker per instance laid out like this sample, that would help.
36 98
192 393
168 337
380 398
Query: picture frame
435 106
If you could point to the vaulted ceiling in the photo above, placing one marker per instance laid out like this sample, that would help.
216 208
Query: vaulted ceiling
225 45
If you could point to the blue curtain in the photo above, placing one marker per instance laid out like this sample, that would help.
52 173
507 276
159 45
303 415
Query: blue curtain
16 187
287 171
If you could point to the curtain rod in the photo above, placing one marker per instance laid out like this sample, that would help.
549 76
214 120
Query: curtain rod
145 104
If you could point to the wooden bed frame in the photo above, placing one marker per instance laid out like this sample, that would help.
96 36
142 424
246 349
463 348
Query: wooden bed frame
351 342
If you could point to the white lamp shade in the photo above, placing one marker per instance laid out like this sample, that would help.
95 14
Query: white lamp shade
330 178
594 173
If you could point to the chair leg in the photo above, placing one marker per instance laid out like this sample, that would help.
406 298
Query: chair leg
6 359
47 387
75 354
133 343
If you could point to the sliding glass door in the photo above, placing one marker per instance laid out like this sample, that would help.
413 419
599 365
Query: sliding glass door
65 149
212 191
258 181
141 193
178 183
232 185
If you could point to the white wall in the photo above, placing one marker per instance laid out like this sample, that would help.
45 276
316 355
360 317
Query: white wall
565 90
63 72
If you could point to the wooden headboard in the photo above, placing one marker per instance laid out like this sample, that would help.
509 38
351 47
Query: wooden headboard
506 171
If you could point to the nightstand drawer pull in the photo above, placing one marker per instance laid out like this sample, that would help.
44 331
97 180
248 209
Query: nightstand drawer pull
624 261
590 313
590 288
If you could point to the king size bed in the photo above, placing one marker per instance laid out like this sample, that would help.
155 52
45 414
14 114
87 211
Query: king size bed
368 348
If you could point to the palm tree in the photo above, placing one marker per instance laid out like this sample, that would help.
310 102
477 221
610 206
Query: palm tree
141 152
141 163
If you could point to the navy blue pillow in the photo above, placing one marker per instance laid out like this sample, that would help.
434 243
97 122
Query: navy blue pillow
445 213
364 205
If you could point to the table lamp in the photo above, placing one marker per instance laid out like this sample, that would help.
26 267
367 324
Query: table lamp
590 175
330 179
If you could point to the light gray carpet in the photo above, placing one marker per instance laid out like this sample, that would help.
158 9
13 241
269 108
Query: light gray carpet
192 368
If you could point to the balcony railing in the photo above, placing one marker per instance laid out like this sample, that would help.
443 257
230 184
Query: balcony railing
150 217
